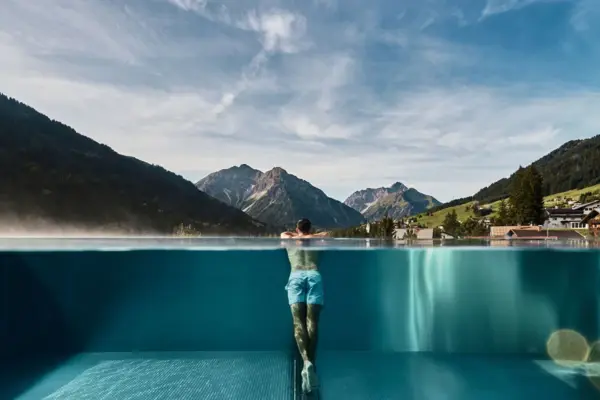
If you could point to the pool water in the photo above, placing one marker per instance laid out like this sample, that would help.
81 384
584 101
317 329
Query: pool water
152 318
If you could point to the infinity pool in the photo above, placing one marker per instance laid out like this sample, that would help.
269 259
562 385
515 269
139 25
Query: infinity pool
156 318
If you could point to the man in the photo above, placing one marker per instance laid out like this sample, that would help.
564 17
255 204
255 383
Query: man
305 296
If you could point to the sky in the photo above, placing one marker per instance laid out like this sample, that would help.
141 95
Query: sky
445 96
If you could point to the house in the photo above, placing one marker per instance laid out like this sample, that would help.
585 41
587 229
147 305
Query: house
501 231
588 207
593 221
422 234
564 218
543 234
571 218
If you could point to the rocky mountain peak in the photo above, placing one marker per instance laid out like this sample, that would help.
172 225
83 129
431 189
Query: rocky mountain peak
277 171
398 186
397 201
280 198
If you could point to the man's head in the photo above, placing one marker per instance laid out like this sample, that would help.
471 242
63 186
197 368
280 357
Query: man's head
303 226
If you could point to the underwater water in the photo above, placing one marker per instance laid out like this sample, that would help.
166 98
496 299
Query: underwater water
157 318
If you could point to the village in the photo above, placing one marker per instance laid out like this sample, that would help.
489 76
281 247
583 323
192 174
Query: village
565 219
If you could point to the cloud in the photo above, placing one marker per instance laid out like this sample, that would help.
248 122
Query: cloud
585 15
190 5
346 98
211 10
330 4
281 31
501 6
73 32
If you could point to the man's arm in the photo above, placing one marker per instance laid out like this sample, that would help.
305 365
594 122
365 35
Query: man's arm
288 235
320 234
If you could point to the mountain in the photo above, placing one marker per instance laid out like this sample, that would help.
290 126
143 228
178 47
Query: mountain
574 165
362 200
277 197
232 186
396 201
54 176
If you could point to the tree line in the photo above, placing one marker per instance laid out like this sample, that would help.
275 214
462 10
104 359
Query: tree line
524 206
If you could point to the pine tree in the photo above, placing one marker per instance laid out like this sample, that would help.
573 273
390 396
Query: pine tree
526 197
517 195
502 217
387 227
473 227
535 207
451 224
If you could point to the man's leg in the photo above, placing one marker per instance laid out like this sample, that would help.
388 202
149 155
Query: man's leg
300 332
312 326
301 335
314 300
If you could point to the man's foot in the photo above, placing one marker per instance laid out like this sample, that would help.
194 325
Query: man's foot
310 381
304 375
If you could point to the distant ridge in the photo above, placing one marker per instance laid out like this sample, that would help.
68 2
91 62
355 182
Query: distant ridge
396 201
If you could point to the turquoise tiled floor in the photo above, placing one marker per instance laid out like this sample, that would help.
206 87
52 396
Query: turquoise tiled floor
423 376
210 376
264 376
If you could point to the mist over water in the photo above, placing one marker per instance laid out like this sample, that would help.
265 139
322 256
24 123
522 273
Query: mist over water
11 226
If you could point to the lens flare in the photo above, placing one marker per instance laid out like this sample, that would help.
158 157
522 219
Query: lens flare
592 366
566 347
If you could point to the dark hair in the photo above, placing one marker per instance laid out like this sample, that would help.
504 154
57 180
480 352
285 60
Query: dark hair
304 226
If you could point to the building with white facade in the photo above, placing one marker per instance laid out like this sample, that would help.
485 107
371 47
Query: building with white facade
571 218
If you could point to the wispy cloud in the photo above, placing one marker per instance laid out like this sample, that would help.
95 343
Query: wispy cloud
586 15
211 10
345 97
501 6
280 32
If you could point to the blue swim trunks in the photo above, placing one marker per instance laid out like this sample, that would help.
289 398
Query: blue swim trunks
305 287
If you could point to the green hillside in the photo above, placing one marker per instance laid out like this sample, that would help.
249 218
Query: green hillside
464 211
573 166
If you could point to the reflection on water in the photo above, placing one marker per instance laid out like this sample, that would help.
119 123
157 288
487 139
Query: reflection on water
455 302
224 243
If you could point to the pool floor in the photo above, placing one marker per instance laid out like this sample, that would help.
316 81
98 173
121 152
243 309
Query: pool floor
271 375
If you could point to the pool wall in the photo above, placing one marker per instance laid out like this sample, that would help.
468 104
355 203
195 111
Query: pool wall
439 300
